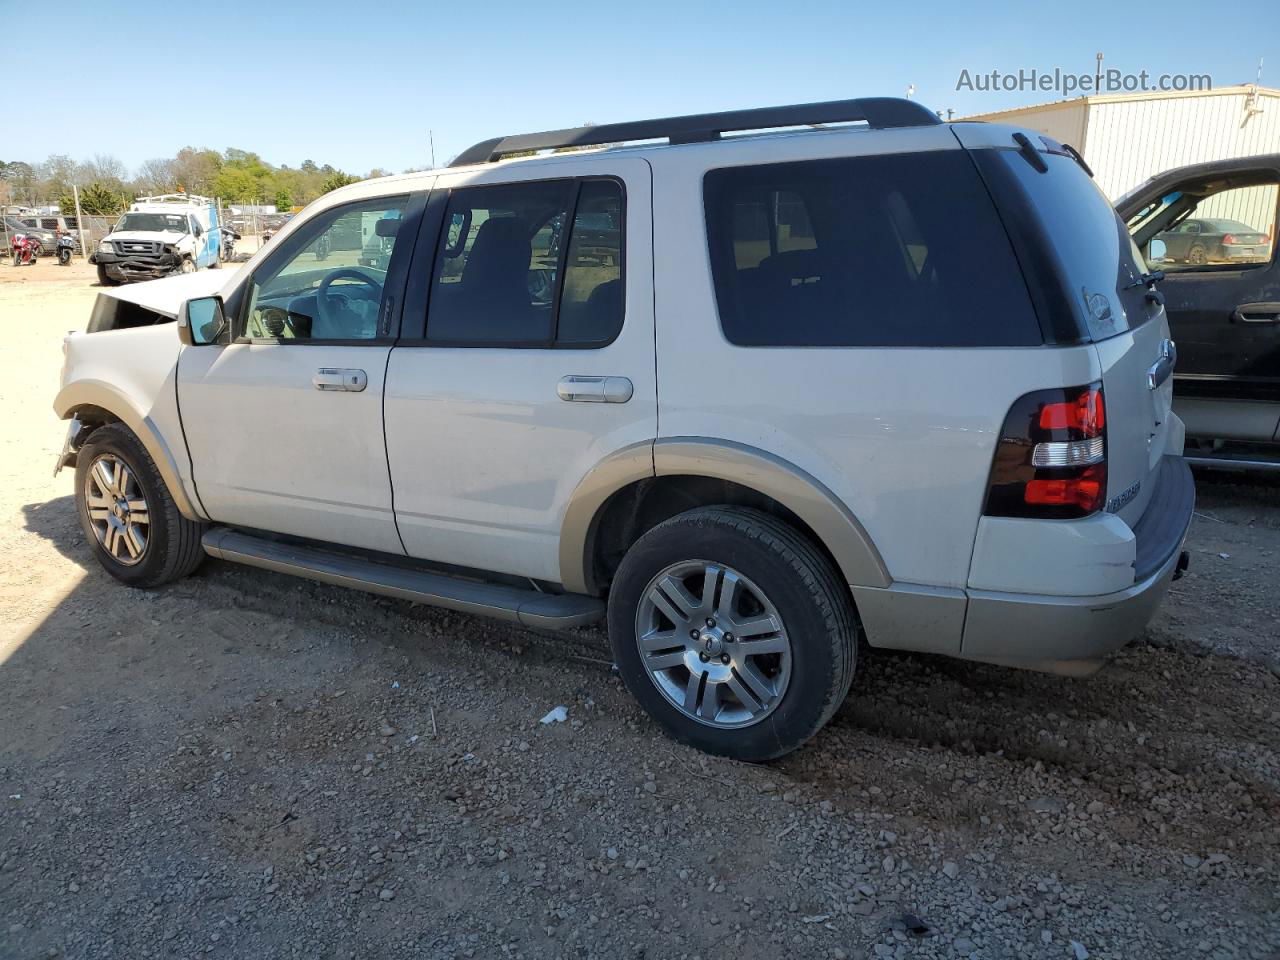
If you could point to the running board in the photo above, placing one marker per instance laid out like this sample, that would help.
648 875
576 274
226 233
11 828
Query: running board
530 608
1232 463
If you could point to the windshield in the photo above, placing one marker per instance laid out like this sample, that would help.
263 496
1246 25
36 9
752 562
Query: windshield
153 222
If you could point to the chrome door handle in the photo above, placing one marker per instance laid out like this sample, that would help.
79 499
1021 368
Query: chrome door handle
345 379
595 389
1160 370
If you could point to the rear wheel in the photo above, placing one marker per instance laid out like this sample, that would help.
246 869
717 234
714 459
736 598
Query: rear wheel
733 631
132 525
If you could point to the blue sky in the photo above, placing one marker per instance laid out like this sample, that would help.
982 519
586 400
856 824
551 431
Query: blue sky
359 85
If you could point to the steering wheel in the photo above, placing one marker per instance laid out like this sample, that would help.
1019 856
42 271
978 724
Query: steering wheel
331 317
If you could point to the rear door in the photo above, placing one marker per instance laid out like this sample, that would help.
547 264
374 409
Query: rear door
527 357
1223 298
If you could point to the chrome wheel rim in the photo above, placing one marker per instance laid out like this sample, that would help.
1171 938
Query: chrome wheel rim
713 644
117 509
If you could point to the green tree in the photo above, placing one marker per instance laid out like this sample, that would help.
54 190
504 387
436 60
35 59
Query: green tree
283 200
236 185
335 180
97 199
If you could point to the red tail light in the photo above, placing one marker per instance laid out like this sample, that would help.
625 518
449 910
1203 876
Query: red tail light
1051 461
1229 238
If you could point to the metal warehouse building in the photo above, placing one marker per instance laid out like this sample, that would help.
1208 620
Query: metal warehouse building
1127 138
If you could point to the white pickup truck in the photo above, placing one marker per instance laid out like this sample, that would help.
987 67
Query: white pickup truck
158 237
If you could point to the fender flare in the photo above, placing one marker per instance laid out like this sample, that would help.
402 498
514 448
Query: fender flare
97 393
800 492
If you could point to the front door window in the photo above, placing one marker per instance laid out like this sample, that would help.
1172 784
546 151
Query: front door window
324 283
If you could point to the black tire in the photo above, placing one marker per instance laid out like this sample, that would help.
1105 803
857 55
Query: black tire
804 587
1197 255
173 548
104 279
64 257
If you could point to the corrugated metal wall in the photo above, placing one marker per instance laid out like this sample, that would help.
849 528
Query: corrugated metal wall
1064 122
1130 140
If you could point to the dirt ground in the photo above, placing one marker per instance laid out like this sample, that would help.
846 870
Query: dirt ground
247 765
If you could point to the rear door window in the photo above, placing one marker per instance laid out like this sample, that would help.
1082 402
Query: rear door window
533 264
901 250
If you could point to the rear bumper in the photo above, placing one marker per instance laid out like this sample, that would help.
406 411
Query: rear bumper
1071 634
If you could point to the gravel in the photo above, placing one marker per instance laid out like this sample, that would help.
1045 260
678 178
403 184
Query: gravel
245 765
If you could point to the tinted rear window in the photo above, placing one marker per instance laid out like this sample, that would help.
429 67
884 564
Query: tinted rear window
900 250
1084 237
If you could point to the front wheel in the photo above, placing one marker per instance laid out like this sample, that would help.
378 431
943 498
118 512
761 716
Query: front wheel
64 257
133 527
733 631
187 265
105 279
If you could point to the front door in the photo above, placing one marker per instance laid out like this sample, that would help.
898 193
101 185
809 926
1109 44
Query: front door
533 359
284 424
1214 237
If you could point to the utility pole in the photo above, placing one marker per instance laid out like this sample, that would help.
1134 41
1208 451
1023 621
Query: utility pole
1097 74
80 224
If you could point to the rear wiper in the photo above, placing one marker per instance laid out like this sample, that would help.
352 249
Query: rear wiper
1147 280
1075 155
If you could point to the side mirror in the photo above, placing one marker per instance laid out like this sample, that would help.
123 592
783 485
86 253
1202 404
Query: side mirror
201 322
1156 250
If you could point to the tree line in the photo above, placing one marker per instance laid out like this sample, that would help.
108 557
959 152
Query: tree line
107 187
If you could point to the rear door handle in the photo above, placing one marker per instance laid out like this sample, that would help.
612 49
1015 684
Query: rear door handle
595 389
1257 313
343 379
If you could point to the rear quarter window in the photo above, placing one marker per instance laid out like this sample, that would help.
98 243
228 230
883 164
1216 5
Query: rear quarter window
901 250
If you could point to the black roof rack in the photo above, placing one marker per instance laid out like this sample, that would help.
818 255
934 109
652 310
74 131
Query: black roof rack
877 112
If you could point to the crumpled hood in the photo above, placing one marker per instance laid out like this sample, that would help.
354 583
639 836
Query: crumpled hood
168 294
151 236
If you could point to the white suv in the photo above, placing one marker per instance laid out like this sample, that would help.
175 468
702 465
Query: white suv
752 398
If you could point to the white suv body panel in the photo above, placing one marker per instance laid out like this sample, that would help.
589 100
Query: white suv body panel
852 417
485 456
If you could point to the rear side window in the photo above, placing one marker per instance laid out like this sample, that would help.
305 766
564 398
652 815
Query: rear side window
895 251
535 264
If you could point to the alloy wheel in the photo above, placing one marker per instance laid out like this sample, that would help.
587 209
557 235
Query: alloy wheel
117 509
713 644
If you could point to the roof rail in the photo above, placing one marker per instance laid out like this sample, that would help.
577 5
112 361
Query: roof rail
877 112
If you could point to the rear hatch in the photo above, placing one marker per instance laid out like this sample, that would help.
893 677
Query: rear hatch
1087 281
